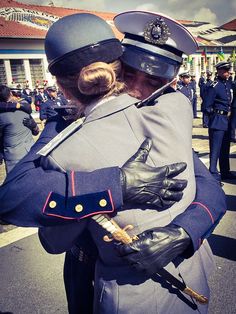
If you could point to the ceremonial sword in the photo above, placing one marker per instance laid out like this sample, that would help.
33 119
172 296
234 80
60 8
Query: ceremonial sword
121 235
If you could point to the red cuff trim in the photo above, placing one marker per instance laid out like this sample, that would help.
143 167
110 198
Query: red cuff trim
63 217
45 205
112 204
73 183
207 210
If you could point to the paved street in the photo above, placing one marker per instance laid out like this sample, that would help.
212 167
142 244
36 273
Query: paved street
31 280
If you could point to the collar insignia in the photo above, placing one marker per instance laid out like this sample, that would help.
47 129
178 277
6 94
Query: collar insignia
156 32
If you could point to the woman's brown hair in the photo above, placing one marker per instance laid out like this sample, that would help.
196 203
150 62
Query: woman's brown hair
97 80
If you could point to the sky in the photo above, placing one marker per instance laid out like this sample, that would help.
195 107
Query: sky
217 12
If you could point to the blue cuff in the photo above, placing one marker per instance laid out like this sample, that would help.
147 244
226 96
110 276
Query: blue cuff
80 206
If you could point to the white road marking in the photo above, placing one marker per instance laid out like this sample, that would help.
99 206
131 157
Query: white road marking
205 159
16 234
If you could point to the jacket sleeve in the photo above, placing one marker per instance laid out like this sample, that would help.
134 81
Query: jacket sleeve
29 190
207 209
61 238
209 98
7 106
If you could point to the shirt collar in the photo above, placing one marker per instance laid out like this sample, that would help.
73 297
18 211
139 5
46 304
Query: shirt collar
95 104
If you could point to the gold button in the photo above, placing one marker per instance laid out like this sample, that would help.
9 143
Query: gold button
78 208
103 202
52 204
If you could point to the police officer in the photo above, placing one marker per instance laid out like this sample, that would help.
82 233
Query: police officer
27 94
203 90
217 103
53 100
40 97
186 88
193 84
201 81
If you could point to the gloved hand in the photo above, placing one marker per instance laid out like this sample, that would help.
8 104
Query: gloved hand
155 248
31 124
24 106
50 112
142 183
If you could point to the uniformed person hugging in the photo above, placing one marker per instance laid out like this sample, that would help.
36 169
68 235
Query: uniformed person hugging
113 129
88 71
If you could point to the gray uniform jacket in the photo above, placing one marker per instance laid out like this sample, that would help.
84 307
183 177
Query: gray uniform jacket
111 133
17 138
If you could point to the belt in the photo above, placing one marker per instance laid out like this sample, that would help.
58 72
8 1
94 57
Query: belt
222 112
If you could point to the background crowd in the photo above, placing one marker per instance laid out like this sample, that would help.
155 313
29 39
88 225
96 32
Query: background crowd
214 94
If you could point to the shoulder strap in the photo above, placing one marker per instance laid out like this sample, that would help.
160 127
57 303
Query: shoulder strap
60 137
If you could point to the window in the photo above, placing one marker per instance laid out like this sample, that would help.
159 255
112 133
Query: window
3 78
36 69
18 71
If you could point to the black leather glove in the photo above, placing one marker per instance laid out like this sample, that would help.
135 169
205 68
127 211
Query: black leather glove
142 183
155 248
31 124
50 112
24 106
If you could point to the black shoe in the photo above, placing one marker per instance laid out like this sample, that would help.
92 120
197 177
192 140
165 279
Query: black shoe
228 176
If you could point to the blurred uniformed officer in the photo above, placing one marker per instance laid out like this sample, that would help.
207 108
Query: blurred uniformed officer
53 100
201 82
217 103
186 88
203 91
40 97
193 84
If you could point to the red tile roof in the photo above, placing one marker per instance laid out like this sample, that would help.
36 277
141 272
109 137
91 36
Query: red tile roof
12 29
15 29
230 25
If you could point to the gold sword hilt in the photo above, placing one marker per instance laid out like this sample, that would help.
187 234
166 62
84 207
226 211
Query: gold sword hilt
120 234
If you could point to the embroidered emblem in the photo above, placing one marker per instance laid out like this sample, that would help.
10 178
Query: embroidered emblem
156 32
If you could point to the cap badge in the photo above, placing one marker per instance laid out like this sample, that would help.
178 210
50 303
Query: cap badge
156 32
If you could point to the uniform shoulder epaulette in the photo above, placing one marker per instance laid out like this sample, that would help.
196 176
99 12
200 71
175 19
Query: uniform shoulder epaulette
60 137
213 84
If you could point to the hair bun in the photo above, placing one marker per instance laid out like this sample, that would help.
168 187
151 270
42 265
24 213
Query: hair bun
96 78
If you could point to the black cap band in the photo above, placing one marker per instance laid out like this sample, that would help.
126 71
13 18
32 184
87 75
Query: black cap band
72 62
155 65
